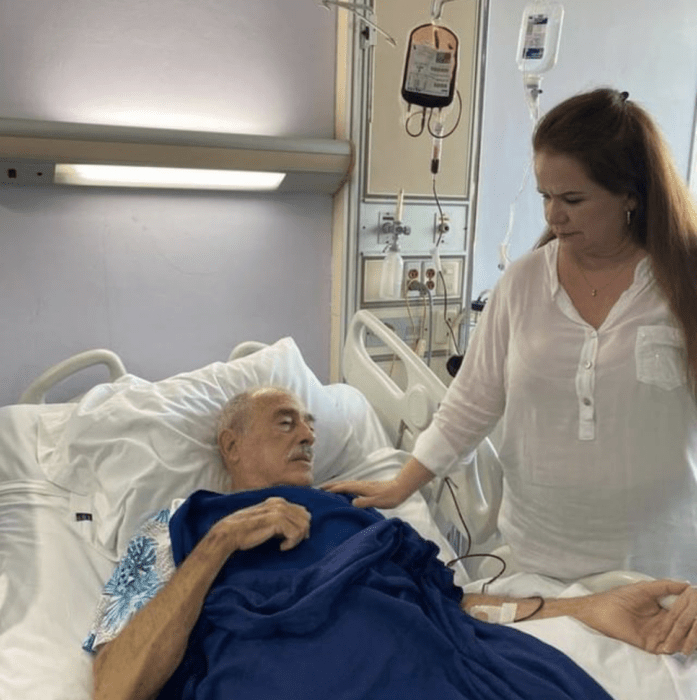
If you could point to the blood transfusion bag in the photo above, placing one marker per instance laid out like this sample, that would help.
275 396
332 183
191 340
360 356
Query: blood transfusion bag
430 68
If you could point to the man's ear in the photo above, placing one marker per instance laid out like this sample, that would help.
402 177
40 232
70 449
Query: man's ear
227 444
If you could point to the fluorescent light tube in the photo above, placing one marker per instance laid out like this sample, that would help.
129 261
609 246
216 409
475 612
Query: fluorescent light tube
178 178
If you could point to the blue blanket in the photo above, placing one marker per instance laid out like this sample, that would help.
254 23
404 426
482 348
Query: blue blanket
361 610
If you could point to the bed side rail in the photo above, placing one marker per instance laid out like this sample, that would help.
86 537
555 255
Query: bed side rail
36 391
404 413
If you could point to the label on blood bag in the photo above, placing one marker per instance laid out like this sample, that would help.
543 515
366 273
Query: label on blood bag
429 71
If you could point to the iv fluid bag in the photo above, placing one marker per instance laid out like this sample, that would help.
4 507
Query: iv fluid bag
391 276
430 68
540 33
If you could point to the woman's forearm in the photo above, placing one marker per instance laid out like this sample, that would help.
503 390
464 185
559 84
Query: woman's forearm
413 476
137 663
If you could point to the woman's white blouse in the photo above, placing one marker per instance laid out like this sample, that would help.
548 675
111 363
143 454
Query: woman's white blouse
599 428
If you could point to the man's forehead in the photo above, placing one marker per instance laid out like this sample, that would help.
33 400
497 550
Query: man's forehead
281 401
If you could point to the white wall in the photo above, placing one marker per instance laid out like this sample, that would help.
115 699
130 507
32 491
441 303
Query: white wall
169 281
644 47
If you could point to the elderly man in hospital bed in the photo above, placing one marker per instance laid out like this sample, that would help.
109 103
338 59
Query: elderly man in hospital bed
348 605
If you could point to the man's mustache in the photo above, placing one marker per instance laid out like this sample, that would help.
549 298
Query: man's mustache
305 452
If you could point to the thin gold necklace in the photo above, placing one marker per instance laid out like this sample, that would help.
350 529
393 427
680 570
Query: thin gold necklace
595 290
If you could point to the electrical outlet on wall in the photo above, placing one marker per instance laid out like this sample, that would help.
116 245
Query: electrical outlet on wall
412 273
430 276
420 269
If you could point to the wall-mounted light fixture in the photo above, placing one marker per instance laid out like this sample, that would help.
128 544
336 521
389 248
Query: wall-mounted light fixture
61 153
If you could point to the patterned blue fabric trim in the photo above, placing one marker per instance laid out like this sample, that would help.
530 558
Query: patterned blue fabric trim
134 582
143 570
88 644
163 516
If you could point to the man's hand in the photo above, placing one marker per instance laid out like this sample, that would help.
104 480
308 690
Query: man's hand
275 517
634 614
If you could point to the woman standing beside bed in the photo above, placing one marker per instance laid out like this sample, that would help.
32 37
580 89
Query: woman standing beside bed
587 354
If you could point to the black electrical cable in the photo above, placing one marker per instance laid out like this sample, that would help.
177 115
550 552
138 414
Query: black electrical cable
467 555
535 611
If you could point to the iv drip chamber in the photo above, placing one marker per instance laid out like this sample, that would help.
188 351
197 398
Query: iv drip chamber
540 33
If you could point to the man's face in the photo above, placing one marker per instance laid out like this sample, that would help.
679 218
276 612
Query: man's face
276 448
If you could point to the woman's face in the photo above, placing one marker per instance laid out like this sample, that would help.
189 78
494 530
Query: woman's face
582 214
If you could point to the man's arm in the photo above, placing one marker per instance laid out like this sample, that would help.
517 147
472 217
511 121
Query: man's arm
632 613
137 663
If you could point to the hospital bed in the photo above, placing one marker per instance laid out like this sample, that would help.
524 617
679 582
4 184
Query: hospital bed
78 478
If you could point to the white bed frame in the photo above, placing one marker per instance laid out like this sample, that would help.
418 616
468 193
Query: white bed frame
406 412
403 412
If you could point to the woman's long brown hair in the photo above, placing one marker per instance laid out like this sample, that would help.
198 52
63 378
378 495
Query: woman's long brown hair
623 150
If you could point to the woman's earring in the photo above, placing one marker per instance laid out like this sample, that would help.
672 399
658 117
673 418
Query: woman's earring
629 217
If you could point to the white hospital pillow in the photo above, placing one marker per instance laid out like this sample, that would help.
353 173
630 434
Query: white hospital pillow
133 445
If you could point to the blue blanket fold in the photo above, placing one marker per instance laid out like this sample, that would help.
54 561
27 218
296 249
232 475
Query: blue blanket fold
360 610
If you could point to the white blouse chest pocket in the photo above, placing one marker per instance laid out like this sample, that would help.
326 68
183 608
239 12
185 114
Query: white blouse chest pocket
660 357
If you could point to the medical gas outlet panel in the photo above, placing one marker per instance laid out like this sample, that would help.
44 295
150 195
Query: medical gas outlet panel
427 313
